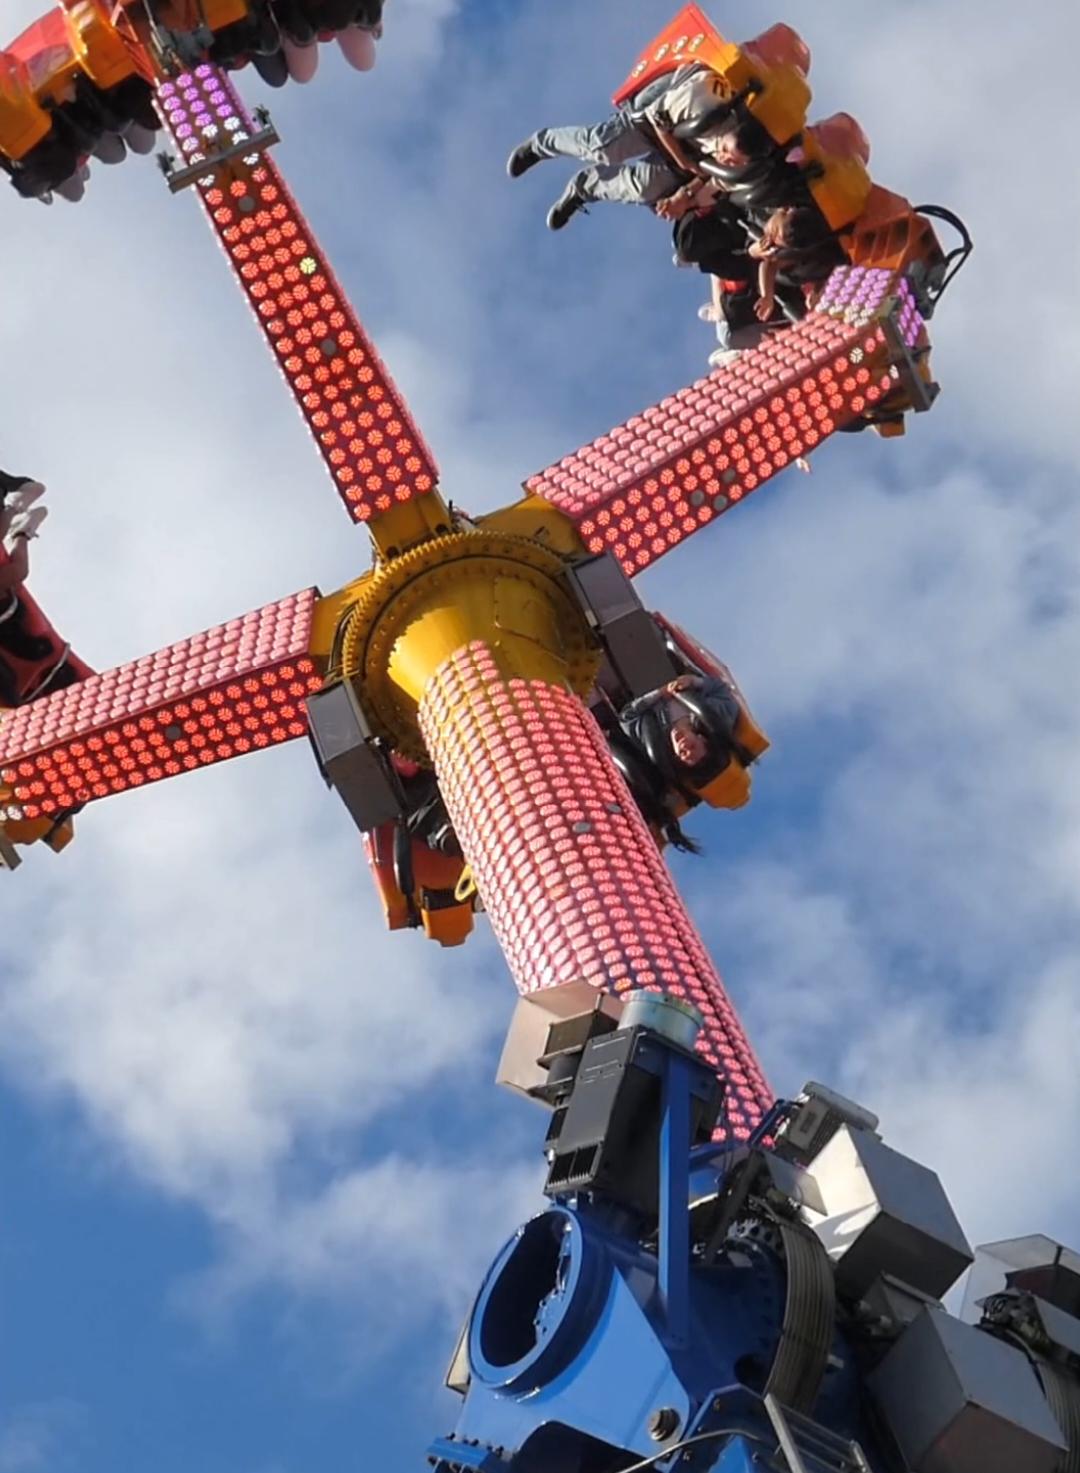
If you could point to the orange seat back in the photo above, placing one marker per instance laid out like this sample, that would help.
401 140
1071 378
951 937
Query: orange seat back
840 135
780 46
23 121
890 234
98 47
841 184
779 93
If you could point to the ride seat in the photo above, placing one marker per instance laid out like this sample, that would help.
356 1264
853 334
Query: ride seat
889 233
23 121
417 885
97 46
766 75
780 46
834 155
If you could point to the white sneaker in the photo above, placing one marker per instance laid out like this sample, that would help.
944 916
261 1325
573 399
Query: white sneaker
677 260
26 523
302 61
723 357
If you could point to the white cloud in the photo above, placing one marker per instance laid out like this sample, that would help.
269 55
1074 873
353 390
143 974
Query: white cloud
204 973
907 925
405 1238
42 1436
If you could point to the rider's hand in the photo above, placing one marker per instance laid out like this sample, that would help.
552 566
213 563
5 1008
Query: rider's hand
764 308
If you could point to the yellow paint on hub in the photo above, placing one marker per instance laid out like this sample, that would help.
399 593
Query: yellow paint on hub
416 610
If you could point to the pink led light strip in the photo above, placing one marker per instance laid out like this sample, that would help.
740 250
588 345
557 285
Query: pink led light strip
647 485
365 434
568 872
235 688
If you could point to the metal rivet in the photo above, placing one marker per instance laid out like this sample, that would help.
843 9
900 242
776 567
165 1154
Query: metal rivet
663 1423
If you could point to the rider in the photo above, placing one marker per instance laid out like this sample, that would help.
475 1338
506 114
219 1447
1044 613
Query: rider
685 727
637 154
684 733
34 656
795 248
794 254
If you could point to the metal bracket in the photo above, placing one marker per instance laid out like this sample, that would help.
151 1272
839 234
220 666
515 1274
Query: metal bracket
9 855
181 178
448 1455
921 393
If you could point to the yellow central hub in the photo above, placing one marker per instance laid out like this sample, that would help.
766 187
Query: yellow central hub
417 609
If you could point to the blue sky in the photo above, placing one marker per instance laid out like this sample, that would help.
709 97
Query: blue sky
252 1163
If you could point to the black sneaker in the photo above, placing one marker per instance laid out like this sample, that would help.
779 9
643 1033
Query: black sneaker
567 205
523 157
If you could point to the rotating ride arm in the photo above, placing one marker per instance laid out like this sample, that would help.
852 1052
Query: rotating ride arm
232 689
367 438
78 82
649 484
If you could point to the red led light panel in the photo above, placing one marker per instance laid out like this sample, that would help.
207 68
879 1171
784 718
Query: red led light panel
233 689
647 485
365 434
568 872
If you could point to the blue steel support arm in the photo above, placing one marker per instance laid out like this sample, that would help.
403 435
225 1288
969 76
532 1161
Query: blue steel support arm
674 1237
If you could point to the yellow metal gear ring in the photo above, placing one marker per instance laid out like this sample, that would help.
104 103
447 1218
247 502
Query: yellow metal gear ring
417 608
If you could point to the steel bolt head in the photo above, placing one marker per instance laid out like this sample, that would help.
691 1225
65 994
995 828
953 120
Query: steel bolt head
663 1423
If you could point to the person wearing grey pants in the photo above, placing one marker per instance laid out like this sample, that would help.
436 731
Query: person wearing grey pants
626 165
633 155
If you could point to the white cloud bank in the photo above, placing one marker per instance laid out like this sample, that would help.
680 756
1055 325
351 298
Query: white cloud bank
203 974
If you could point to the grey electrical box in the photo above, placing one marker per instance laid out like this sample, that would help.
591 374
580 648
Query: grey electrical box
896 1302
959 1401
819 1114
885 1214
349 757
634 645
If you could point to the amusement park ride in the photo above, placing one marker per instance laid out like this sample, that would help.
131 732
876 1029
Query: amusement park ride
721 1279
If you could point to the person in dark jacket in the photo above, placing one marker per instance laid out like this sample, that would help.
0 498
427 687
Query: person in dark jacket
685 728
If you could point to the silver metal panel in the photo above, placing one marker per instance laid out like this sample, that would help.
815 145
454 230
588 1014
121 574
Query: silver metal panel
531 1023
958 1401
350 760
603 589
895 1301
794 1181
1062 1330
337 722
885 1214
634 644
997 1264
